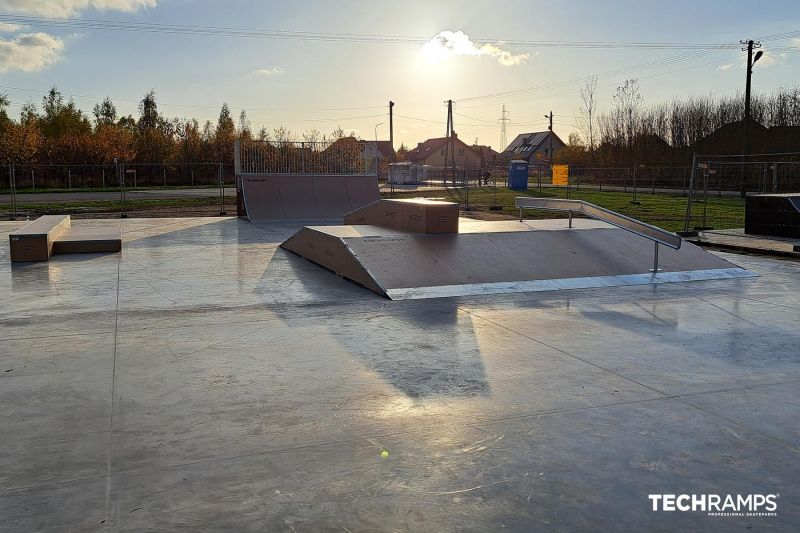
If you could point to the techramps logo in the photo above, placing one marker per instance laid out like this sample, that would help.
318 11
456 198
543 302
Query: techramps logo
723 505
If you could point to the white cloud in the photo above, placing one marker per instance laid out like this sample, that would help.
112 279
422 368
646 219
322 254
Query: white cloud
455 43
68 8
726 66
770 58
265 72
29 52
7 27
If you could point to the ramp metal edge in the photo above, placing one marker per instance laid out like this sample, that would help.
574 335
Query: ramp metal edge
512 287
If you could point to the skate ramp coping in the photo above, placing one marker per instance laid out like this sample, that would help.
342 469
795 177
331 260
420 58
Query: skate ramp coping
320 197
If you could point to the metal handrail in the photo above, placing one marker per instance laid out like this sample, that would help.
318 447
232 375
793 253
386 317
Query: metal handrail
637 227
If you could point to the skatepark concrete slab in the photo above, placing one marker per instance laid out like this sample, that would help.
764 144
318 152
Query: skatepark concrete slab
205 379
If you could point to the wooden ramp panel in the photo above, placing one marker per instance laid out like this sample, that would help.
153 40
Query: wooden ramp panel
412 215
330 251
401 266
286 197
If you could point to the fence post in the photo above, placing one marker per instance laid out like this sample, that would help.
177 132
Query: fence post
774 176
69 177
704 225
653 182
690 192
635 186
13 188
104 177
121 178
220 174
33 178
164 172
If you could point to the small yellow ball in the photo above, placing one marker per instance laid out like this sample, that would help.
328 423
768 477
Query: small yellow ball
384 454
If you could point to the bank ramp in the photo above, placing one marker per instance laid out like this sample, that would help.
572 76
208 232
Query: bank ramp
502 257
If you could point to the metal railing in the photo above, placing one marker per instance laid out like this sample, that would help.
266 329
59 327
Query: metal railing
637 227
345 156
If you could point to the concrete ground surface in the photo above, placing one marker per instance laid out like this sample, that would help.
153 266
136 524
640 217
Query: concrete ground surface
206 380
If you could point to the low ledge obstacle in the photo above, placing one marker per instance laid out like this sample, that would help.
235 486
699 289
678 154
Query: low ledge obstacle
413 215
54 234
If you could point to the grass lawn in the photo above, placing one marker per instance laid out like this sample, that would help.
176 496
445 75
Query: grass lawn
114 206
664 210
6 190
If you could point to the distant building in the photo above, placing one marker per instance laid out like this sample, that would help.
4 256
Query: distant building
729 139
378 155
488 156
533 147
435 152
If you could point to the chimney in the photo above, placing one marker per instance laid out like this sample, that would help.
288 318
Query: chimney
419 145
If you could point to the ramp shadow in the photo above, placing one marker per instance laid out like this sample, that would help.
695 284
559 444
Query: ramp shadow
423 348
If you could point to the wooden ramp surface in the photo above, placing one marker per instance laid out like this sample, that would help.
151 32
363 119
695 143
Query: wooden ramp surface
592 254
284 197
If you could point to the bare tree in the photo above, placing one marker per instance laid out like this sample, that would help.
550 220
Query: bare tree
586 114
628 104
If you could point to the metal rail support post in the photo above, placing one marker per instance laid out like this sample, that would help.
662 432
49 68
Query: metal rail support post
655 260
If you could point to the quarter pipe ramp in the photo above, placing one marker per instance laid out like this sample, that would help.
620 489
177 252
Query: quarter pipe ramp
308 197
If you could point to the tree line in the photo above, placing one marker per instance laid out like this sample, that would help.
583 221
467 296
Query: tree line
630 130
59 133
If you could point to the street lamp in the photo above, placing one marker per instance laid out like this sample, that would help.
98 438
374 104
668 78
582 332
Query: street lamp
751 44
376 148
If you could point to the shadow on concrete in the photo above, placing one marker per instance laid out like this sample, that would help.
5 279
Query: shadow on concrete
422 348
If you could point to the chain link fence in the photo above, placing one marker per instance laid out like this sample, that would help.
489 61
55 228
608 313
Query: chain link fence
675 196
116 189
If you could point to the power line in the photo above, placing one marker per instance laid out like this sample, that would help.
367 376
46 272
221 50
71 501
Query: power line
565 85
263 33
610 73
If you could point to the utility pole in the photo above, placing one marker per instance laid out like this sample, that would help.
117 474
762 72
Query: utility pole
450 151
391 128
550 128
750 45
503 120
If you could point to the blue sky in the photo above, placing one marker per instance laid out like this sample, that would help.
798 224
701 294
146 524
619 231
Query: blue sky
304 84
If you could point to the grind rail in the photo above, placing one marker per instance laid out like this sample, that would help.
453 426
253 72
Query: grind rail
637 227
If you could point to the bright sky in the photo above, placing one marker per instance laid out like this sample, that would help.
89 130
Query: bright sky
305 84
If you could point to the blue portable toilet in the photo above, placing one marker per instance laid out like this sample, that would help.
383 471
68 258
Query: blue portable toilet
518 174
